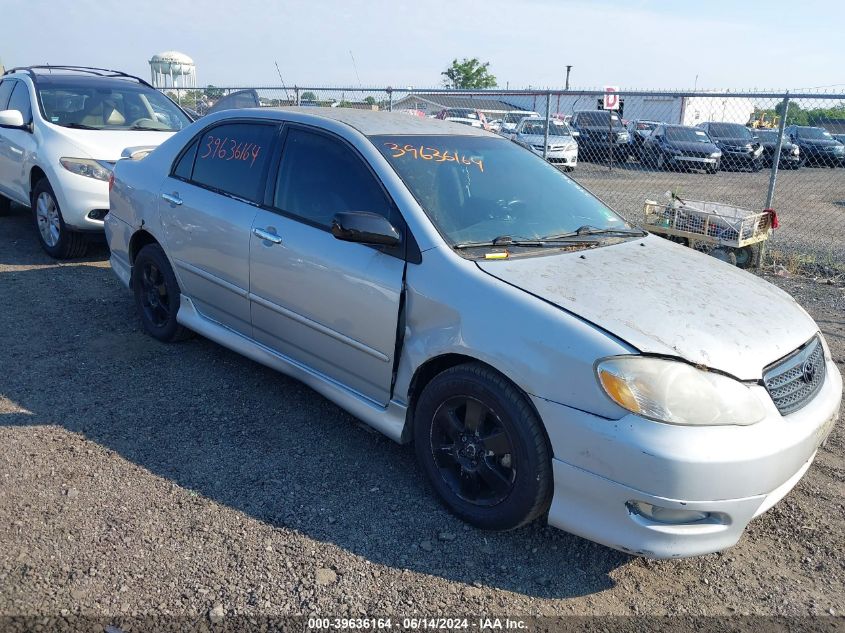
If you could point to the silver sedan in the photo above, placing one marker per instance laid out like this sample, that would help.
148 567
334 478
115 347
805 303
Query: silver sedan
453 290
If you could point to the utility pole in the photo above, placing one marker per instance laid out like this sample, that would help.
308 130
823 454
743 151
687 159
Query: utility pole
568 68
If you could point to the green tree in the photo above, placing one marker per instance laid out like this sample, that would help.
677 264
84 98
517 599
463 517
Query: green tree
468 73
794 114
212 92
370 100
308 96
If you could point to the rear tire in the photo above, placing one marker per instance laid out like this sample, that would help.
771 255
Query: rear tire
747 256
157 295
57 240
724 254
483 448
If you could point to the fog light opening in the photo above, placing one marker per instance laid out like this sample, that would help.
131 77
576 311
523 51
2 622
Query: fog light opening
668 516
98 214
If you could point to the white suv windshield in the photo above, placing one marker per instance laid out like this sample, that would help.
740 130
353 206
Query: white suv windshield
475 189
113 105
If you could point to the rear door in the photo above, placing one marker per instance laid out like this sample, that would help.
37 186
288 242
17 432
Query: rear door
207 206
330 305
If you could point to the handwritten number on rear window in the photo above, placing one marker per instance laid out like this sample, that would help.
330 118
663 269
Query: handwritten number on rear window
231 149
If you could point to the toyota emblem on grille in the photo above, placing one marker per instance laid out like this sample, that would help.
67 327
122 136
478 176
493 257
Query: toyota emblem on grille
808 371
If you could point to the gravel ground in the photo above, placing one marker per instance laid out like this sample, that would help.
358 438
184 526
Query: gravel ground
810 201
138 478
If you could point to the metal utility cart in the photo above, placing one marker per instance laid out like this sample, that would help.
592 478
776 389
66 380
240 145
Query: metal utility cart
732 234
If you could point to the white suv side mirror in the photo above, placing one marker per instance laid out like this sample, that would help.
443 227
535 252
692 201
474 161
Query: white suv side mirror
11 118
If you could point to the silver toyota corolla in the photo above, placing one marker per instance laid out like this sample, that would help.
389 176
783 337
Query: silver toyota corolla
451 288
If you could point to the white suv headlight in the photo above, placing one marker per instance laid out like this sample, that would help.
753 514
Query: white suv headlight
677 393
87 167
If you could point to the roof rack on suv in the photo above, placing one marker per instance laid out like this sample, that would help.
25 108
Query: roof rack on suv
100 72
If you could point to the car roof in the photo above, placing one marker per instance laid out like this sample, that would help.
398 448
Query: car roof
367 122
78 79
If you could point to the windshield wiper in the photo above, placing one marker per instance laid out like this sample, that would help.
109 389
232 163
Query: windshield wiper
588 231
80 126
150 128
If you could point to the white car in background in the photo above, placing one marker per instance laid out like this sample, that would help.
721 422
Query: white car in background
62 128
512 119
562 147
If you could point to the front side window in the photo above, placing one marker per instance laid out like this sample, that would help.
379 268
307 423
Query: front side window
321 176
475 189
20 101
231 158
6 87
109 105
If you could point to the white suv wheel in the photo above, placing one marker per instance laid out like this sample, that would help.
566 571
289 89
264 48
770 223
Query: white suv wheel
47 216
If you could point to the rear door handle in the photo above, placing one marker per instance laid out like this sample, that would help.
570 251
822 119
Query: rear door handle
267 236
173 199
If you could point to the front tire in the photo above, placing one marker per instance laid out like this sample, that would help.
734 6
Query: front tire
157 295
483 448
56 238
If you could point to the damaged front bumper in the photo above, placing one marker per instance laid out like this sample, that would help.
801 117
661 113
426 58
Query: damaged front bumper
665 491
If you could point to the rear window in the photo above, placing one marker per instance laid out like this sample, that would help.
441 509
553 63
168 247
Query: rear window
231 158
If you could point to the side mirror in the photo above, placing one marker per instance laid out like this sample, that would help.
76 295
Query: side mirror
365 228
12 119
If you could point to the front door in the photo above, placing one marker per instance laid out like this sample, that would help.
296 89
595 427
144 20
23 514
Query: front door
17 147
207 207
330 305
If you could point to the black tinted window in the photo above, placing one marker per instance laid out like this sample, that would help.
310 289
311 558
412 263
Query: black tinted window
186 163
321 176
231 158
20 101
6 92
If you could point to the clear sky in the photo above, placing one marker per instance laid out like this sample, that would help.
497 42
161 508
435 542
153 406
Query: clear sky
736 44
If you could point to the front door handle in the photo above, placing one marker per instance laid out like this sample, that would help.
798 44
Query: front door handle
173 199
267 236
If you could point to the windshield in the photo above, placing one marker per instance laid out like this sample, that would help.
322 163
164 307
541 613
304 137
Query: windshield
814 133
684 134
463 113
475 189
516 117
768 136
730 130
598 118
646 125
556 128
119 106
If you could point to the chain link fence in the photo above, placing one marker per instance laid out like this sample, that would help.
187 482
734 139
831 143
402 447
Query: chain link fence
748 149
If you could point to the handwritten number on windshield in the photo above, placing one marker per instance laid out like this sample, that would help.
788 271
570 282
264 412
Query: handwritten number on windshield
422 152
230 149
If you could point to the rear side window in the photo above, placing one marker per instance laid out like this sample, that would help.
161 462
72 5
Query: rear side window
185 165
6 92
231 158
321 176
20 101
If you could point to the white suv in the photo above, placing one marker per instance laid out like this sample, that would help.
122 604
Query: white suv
62 129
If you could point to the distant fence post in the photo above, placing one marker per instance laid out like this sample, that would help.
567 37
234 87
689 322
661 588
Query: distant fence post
389 99
548 122
296 93
773 175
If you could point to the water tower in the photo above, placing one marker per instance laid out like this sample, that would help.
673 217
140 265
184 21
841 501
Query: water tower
173 70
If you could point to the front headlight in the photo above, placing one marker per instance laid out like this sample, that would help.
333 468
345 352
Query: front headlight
715 155
87 167
677 393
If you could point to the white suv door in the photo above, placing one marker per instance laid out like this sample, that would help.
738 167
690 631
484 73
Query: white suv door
15 145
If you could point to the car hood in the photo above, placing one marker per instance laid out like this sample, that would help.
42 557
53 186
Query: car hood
737 142
108 144
663 298
538 139
692 146
818 142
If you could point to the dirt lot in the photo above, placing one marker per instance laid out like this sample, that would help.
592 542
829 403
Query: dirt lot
810 201
138 478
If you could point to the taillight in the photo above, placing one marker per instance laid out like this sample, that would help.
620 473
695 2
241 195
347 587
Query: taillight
111 182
